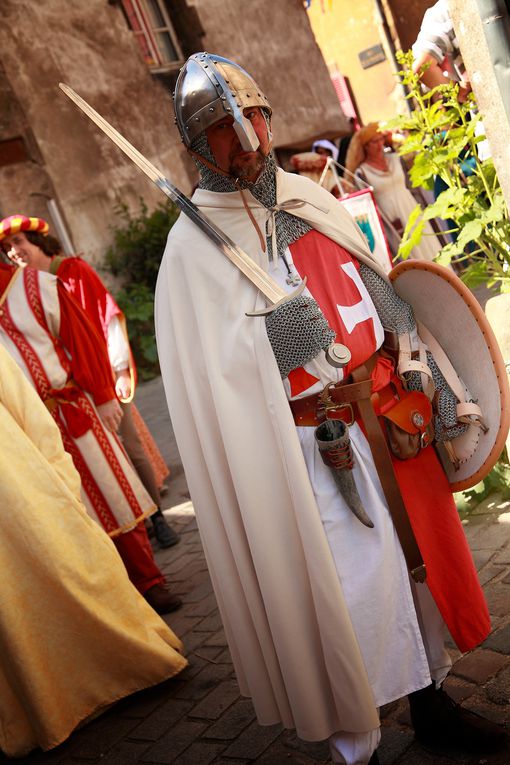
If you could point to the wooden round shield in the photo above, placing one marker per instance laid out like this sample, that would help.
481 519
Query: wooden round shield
452 314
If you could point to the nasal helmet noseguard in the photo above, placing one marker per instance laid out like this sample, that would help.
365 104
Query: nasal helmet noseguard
208 88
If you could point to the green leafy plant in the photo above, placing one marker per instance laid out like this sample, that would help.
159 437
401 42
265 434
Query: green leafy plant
441 136
137 303
139 242
138 246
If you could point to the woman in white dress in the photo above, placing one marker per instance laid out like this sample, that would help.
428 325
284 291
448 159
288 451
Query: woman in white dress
367 159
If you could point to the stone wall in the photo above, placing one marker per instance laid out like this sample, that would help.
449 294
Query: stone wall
274 42
89 46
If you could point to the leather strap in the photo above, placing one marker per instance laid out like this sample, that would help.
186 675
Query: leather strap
384 467
406 363
443 362
336 402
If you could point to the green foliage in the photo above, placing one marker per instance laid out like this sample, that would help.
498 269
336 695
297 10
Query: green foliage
139 242
135 255
440 134
137 303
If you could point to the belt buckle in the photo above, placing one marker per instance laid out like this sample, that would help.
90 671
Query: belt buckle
326 405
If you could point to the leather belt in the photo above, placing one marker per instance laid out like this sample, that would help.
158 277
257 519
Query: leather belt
337 401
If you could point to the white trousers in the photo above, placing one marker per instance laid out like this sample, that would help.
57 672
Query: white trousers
357 748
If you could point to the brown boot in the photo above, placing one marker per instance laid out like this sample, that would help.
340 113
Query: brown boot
161 599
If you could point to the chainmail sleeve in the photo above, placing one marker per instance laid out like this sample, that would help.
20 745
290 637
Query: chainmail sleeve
397 316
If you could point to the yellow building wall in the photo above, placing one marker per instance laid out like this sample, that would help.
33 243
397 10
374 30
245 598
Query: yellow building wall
343 29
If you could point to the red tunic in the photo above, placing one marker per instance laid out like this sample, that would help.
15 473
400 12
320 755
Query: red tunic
88 358
89 291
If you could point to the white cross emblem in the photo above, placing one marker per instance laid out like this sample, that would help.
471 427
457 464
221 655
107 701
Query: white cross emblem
352 315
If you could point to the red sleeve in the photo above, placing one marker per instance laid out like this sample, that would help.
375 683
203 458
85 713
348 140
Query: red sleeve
89 357
86 287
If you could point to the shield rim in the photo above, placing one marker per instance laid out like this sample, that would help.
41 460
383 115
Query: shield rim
494 351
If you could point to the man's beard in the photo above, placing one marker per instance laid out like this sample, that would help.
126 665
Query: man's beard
248 171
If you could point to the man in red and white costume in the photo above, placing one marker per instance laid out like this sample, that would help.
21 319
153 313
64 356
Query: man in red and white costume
55 344
323 620
38 249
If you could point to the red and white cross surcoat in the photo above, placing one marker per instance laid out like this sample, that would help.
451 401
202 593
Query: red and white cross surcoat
55 344
369 561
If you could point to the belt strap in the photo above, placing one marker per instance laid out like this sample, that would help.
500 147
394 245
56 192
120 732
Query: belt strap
384 467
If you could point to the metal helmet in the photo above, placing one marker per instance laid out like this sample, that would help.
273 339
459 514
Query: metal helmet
208 88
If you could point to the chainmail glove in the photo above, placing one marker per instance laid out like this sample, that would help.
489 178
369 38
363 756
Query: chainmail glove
297 331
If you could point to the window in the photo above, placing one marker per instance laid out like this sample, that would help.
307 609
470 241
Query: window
154 33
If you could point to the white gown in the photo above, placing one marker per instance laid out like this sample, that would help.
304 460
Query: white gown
397 203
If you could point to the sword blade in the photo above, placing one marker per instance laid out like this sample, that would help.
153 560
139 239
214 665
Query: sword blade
269 288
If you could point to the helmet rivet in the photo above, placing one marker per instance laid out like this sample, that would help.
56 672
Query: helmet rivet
228 109
197 119
211 108
223 98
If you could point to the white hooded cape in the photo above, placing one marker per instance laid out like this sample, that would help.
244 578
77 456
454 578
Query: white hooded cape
284 613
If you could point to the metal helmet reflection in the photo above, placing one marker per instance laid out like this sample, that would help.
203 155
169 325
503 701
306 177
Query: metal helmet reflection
210 87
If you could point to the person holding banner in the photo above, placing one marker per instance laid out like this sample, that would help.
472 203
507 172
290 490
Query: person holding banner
367 159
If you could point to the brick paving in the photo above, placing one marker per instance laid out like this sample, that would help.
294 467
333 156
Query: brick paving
199 718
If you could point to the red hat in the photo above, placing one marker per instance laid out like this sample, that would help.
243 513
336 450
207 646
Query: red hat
15 223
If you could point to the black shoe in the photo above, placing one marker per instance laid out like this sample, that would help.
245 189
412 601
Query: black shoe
439 721
165 534
374 760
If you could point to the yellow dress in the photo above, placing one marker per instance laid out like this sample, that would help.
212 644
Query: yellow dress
75 635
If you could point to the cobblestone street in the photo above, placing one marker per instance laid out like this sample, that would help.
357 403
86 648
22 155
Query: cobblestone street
199 718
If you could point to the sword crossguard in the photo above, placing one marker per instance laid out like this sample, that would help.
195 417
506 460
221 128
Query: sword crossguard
270 308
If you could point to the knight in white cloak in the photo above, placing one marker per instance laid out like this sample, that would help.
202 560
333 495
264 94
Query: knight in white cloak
323 620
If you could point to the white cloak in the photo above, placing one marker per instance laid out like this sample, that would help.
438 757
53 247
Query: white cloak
293 643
